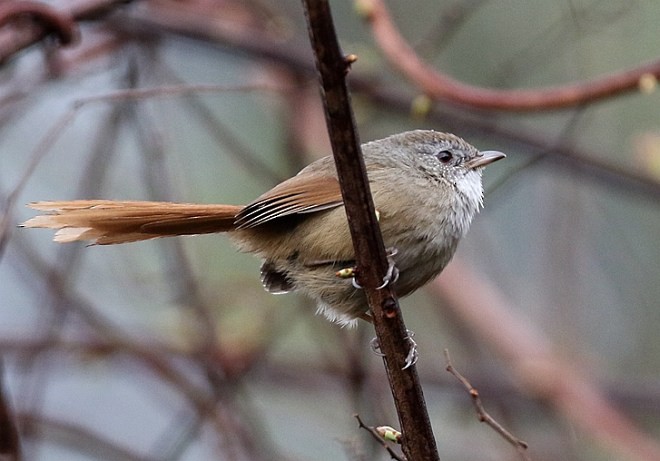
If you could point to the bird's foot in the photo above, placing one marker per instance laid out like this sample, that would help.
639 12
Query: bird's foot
391 276
413 353
375 347
411 357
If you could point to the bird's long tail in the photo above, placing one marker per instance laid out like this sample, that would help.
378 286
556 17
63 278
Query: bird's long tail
107 222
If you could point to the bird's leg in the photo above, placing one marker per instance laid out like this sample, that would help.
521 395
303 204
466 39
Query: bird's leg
375 347
391 276
413 353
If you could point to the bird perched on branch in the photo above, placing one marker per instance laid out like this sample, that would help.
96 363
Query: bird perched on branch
426 188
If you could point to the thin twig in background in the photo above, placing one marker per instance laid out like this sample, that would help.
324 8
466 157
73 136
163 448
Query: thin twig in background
448 116
10 448
51 136
536 366
418 439
55 312
185 426
179 270
483 415
48 19
44 20
164 19
83 439
454 118
378 438
208 407
438 85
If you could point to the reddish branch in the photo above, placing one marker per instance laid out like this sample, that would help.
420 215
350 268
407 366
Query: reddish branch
57 22
438 85
46 20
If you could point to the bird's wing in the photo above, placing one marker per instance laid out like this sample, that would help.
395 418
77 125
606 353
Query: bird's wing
299 195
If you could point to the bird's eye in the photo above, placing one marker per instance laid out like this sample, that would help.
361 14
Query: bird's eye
444 156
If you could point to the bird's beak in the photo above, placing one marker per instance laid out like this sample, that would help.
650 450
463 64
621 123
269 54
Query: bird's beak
486 158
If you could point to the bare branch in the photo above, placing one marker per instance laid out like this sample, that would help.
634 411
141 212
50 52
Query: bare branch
438 85
483 415
418 440
49 139
46 20
9 442
536 365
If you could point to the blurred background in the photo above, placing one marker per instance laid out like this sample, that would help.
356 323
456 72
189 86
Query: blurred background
171 350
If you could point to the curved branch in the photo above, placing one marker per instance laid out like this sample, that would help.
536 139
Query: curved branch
163 20
438 85
50 19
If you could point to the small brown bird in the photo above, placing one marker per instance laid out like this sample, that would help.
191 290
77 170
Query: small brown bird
426 188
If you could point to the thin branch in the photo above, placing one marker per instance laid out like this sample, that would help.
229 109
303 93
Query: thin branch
49 139
182 281
81 438
483 415
44 146
142 352
418 440
438 85
10 448
537 367
48 20
384 97
378 438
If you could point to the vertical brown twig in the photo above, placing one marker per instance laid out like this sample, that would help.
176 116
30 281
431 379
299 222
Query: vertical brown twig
418 441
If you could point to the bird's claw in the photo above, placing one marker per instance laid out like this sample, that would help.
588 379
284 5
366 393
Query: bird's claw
411 357
391 276
413 353
375 347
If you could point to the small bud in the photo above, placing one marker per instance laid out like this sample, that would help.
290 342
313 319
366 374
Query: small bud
647 83
364 8
350 58
421 106
389 433
389 308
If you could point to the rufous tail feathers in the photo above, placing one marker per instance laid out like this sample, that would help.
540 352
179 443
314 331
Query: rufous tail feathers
107 222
